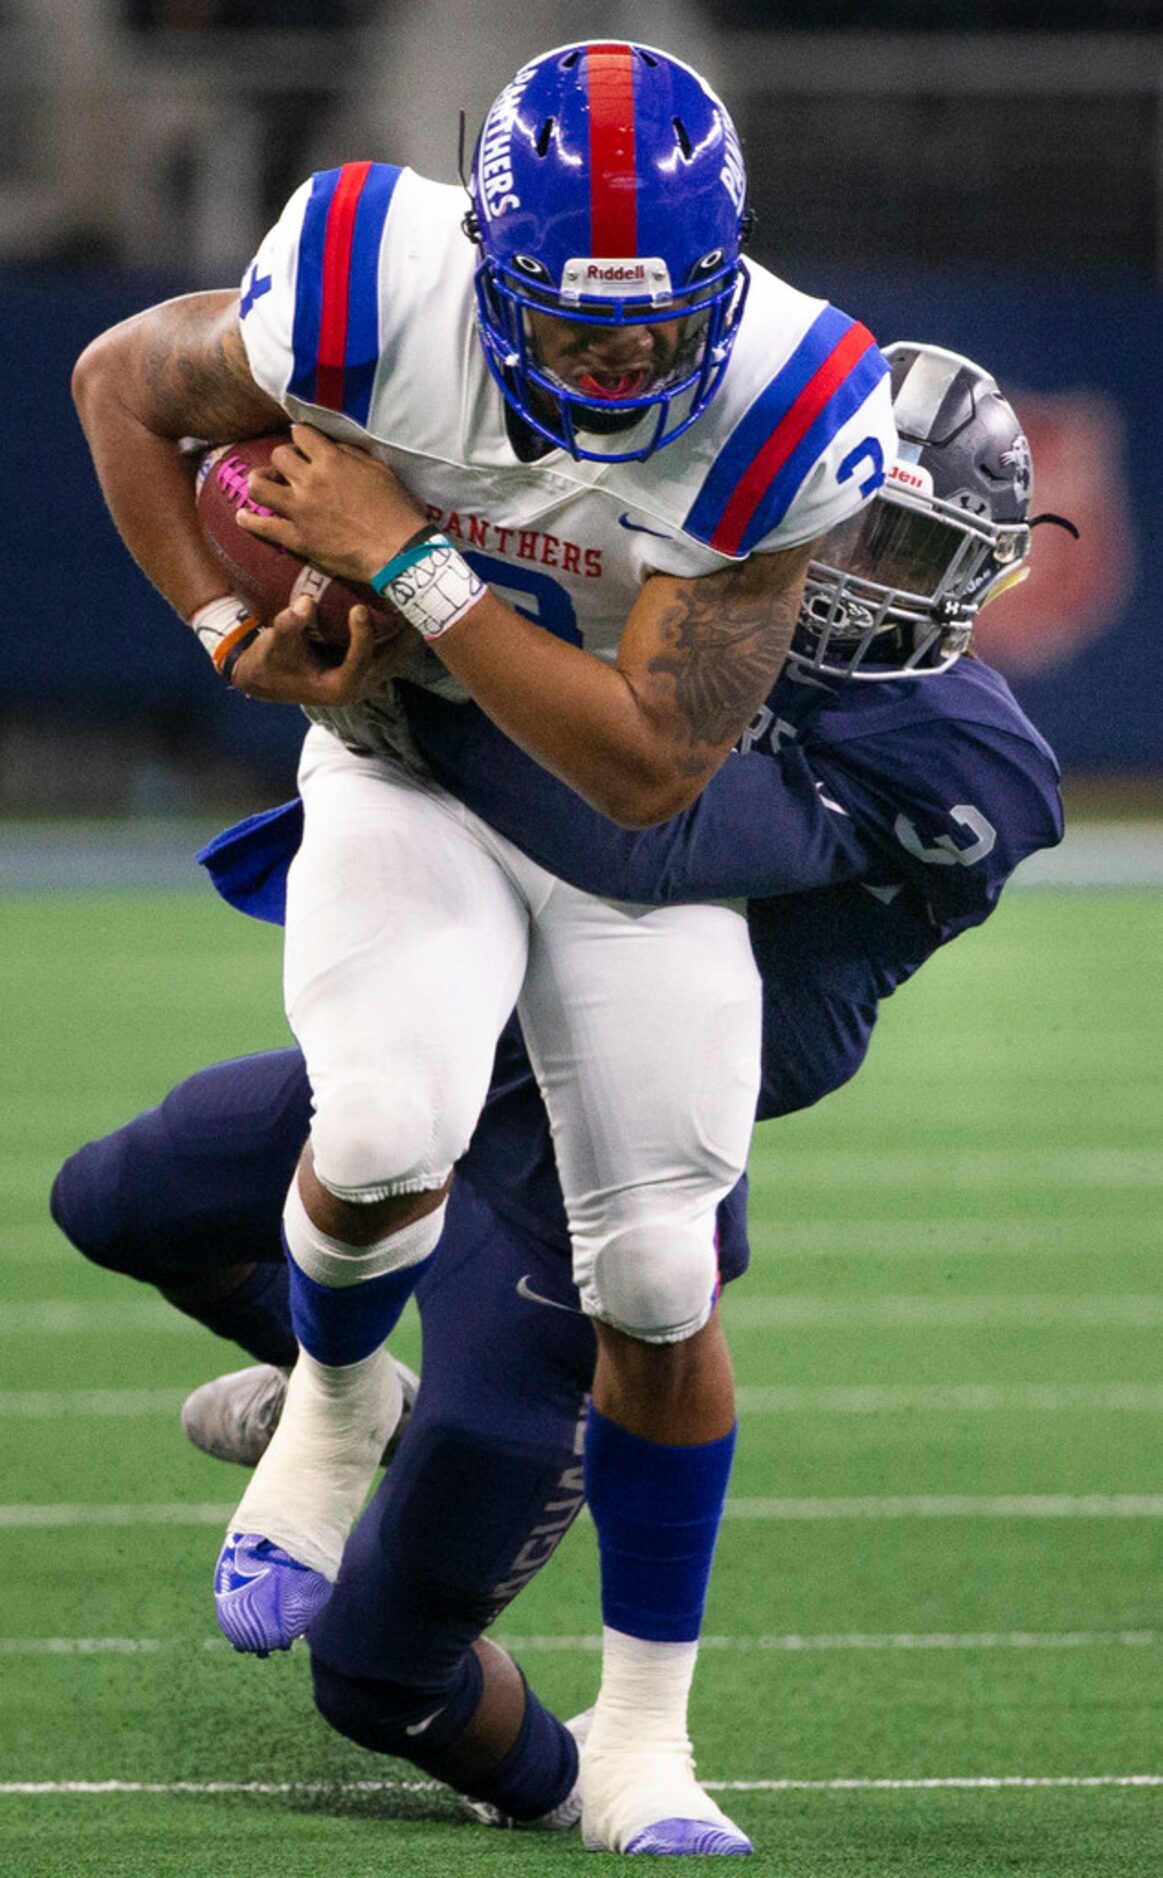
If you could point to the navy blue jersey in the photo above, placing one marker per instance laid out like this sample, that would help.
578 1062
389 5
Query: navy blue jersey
865 825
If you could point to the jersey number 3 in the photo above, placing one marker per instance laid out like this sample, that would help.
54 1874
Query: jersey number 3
945 851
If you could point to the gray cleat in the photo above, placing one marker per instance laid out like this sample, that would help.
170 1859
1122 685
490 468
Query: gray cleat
234 1416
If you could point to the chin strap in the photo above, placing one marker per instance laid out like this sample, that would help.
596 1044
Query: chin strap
1005 583
1058 521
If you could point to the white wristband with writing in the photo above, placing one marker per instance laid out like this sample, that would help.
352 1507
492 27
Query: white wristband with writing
430 584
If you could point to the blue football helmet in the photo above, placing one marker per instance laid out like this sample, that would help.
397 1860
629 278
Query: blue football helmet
608 192
895 591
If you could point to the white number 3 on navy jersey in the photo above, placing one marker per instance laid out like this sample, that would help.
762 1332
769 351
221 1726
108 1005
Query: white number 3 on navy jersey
945 852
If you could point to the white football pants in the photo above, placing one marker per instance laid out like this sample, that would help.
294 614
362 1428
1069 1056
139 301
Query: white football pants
412 931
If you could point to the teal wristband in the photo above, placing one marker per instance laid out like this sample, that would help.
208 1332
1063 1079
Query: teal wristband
426 541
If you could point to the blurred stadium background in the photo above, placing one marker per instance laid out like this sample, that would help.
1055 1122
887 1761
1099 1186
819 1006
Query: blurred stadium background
984 174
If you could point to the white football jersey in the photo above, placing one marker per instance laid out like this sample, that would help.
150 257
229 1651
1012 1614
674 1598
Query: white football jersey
358 315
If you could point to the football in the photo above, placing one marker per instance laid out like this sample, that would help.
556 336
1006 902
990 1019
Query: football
266 577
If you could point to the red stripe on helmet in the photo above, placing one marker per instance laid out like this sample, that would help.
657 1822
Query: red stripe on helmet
336 272
791 429
613 177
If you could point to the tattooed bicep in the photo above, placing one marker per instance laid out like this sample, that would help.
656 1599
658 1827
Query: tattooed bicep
720 643
189 375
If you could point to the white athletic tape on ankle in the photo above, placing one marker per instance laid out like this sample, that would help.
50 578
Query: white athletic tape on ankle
636 1765
642 1702
309 1486
330 1262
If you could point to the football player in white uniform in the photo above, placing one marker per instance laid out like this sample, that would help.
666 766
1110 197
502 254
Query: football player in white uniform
594 450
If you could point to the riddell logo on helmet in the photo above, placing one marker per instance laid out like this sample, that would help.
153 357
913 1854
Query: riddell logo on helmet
912 478
608 276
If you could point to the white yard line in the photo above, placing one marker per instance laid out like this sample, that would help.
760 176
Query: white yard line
791 1644
58 1316
993 1311
939 1236
46 1404
966 1782
936 1398
955 1506
167 1513
841 1237
37 1239
279 1788
866 1507
859 1641
945 1398
745 1311
961 1169
83 1646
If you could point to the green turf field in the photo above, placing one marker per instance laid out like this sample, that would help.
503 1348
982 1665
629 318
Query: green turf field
934 1639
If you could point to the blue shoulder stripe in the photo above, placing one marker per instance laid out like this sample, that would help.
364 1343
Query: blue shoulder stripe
843 404
335 337
363 327
761 467
309 286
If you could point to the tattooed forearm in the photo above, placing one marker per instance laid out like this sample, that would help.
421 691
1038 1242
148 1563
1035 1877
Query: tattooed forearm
189 374
176 371
727 636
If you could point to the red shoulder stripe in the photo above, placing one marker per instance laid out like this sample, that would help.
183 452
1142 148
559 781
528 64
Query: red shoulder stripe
336 272
774 453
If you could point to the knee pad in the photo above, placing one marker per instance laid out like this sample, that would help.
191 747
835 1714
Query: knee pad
372 1138
416 1723
90 1204
72 1208
654 1281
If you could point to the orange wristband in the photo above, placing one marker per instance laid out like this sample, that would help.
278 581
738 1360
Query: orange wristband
224 628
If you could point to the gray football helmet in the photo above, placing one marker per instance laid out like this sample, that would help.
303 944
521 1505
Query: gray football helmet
897 588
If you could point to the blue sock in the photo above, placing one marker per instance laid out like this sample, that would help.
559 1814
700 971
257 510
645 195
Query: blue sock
657 1511
257 1316
338 1326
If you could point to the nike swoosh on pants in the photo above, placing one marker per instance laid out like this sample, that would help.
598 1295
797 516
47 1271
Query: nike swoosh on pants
526 1291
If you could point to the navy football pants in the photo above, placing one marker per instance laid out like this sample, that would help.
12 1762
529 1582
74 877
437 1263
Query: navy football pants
488 1476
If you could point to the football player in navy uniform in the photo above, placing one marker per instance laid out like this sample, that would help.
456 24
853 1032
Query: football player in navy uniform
875 808
595 449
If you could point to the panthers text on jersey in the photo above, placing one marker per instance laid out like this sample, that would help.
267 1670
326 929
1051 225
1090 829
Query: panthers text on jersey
358 317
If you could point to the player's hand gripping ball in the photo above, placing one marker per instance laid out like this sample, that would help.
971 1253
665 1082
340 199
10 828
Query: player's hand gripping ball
269 578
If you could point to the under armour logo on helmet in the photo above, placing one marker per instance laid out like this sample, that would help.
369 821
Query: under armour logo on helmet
1017 459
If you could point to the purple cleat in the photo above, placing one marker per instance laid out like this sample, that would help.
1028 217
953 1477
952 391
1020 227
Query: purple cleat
647 1799
686 1838
264 1598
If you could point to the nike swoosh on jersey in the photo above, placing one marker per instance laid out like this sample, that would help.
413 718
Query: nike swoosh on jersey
640 528
418 1728
526 1291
